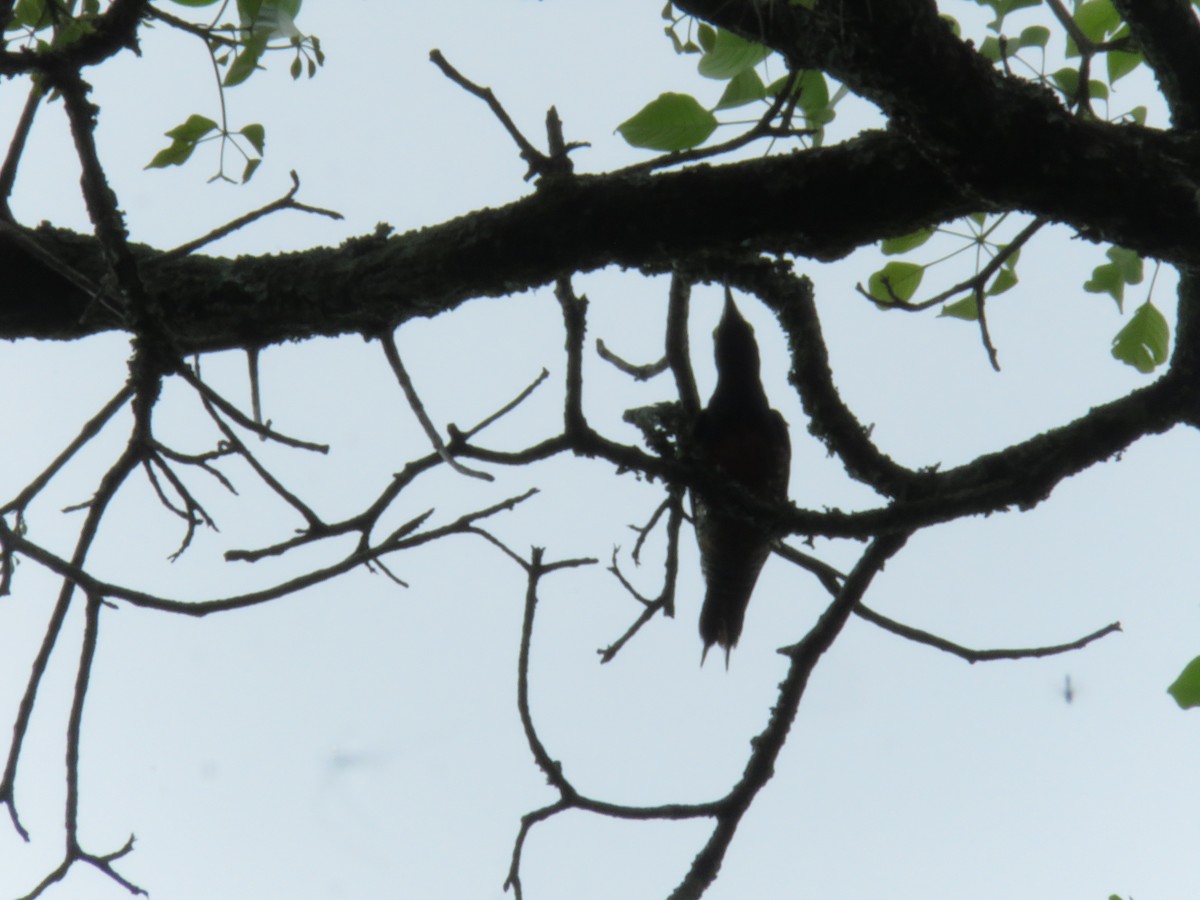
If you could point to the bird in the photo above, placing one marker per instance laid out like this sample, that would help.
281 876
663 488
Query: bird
740 439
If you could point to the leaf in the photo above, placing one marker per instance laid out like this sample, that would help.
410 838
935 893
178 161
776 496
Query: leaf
1143 342
906 242
1124 267
1106 279
1067 81
247 61
251 166
256 135
1121 63
965 308
1005 279
1186 688
706 35
1096 19
672 122
814 92
1004 7
30 14
730 55
193 129
743 88
1034 36
903 279
174 155
990 48
1128 262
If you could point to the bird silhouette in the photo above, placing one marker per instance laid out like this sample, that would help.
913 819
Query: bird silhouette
740 439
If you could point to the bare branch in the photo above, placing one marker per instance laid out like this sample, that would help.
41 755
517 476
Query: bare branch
287 201
90 429
418 408
641 373
539 163
761 765
241 418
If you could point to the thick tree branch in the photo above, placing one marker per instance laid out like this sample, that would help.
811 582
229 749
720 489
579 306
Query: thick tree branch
112 32
1169 35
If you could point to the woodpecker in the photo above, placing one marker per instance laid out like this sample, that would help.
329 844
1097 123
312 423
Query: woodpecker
739 438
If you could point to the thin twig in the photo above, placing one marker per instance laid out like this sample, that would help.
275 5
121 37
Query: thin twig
89 430
638 372
528 151
410 394
16 147
110 483
238 446
287 201
831 579
767 744
241 418
677 354
976 282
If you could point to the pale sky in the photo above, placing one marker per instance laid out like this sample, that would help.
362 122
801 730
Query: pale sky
362 740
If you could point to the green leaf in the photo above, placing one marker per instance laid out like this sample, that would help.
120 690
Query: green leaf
706 36
193 129
248 10
1121 63
251 166
906 242
903 279
1005 279
744 87
1186 688
965 308
1143 342
30 14
1097 19
247 60
1067 81
1124 267
990 48
174 155
256 135
1106 279
1034 36
672 122
1004 7
814 92
730 55
1128 262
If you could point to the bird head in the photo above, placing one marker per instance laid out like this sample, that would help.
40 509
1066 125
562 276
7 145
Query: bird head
733 343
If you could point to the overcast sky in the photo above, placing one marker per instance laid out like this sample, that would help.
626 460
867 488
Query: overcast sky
362 740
